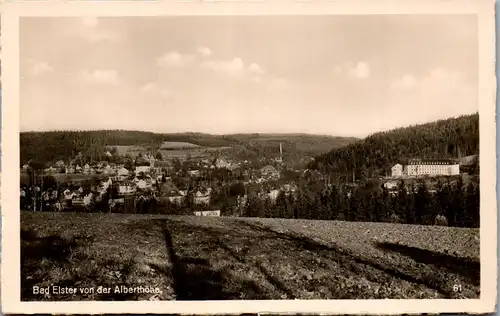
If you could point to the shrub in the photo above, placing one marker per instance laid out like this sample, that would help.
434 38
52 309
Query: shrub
440 220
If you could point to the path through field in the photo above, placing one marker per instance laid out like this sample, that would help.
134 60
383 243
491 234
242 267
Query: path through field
210 258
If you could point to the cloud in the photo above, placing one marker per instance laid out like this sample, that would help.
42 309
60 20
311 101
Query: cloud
37 68
175 59
155 89
204 51
407 82
256 69
92 31
233 66
361 71
101 77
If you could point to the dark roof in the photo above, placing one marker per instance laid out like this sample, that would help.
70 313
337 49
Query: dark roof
430 161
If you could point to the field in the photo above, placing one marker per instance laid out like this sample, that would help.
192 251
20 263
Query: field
216 258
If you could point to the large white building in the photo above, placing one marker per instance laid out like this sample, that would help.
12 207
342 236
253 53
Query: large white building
426 167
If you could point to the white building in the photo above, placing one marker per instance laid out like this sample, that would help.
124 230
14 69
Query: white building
397 170
432 167
144 169
123 173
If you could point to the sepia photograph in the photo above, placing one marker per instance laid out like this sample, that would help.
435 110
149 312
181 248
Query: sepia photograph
250 157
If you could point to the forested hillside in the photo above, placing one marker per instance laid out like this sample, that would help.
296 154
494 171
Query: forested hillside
374 155
55 145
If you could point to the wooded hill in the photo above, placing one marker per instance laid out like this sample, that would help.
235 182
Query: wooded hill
61 145
375 154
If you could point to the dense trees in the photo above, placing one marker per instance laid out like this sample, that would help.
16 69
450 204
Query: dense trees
409 203
375 154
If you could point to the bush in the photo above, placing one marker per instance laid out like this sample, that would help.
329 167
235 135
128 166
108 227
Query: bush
394 218
440 220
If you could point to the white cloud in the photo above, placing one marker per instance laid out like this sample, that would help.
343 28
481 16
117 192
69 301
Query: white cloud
155 89
37 68
256 69
234 66
92 31
102 77
175 59
361 71
204 51
407 82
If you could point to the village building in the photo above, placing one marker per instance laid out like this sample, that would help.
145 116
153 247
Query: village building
89 199
202 197
50 170
126 188
222 163
123 174
144 169
397 170
59 164
108 170
269 172
86 169
426 167
208 213
70 169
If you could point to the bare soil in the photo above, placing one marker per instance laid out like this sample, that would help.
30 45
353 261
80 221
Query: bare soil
220 258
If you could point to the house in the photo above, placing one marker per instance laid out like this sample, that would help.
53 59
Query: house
107 170
126 188
144 184
222 163
270 172
89 199
108 154
271 194
144 169
50 170
123 173
397 170
157 171
176 199
194 173
432 167
68 195
86 169
391 185
207 213
70 169
59 164
202 197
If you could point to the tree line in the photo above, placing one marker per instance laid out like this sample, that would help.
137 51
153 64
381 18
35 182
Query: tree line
408 203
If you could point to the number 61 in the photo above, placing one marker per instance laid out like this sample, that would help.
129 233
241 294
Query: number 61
457 288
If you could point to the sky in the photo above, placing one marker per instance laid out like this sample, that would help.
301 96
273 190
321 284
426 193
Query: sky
333 75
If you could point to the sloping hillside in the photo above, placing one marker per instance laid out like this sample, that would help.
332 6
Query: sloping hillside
55 145
451 138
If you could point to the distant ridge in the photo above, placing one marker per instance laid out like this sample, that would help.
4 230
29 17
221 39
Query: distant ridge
55 145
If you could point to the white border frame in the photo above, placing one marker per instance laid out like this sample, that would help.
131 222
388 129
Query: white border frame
11 11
